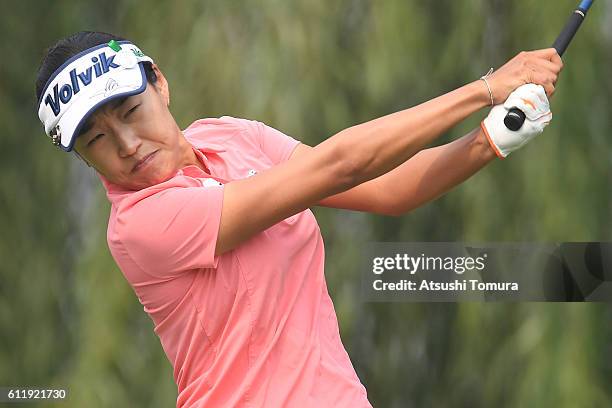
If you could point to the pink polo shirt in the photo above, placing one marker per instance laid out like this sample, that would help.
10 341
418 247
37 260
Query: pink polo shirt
254 327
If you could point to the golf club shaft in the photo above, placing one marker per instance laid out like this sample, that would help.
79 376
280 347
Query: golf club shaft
515 117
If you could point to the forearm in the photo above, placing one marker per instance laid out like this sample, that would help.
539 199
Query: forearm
433 172
374 148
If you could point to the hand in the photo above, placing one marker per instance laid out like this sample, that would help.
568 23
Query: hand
541 67
532 100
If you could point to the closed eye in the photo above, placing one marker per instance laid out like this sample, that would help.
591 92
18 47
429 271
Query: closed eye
132 110
94 139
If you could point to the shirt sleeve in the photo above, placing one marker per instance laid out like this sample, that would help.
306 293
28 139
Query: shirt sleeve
275 144
174 231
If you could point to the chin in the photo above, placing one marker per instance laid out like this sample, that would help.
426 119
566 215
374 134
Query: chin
158 177
152 177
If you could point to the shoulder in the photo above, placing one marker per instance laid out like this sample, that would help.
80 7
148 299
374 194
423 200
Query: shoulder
182 198
219 128
225 133
154 201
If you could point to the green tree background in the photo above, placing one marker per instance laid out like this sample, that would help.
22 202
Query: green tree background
311 68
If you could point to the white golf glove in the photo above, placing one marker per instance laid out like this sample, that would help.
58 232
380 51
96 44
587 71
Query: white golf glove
532 100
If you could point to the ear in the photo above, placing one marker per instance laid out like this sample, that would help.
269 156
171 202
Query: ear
161 85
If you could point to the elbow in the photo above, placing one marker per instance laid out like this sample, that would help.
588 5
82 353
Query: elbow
353 159
347 172
344 169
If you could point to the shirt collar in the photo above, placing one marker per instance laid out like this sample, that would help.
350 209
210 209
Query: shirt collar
204 146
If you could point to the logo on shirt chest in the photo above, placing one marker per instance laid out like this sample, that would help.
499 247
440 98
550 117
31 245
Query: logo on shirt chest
208 182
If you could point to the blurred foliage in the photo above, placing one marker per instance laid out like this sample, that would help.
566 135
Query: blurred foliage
311 68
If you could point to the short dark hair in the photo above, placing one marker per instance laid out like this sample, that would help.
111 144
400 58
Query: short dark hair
67 47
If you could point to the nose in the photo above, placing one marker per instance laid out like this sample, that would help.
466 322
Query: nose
128 142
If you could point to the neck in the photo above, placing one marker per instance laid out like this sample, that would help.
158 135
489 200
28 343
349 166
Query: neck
191 158
198 162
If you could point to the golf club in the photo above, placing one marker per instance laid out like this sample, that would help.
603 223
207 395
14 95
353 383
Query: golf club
515 117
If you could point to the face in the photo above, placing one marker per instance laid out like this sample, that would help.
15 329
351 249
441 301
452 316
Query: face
119 134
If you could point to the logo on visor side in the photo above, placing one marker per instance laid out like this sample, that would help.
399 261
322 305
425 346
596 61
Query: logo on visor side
110 88
111 85
62 95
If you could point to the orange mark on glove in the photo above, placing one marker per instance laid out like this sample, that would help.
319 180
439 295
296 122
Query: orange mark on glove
493 145
528 102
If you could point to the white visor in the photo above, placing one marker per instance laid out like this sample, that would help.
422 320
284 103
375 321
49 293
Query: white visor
85 82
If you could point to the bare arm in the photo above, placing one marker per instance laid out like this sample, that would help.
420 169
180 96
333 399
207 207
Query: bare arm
429 174
356 155
343 161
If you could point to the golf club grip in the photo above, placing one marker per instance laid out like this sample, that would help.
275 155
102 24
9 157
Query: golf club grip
515 117
568 32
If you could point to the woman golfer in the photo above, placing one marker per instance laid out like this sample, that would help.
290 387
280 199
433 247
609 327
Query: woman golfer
210 225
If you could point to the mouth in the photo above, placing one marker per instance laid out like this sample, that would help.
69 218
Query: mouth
144 161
